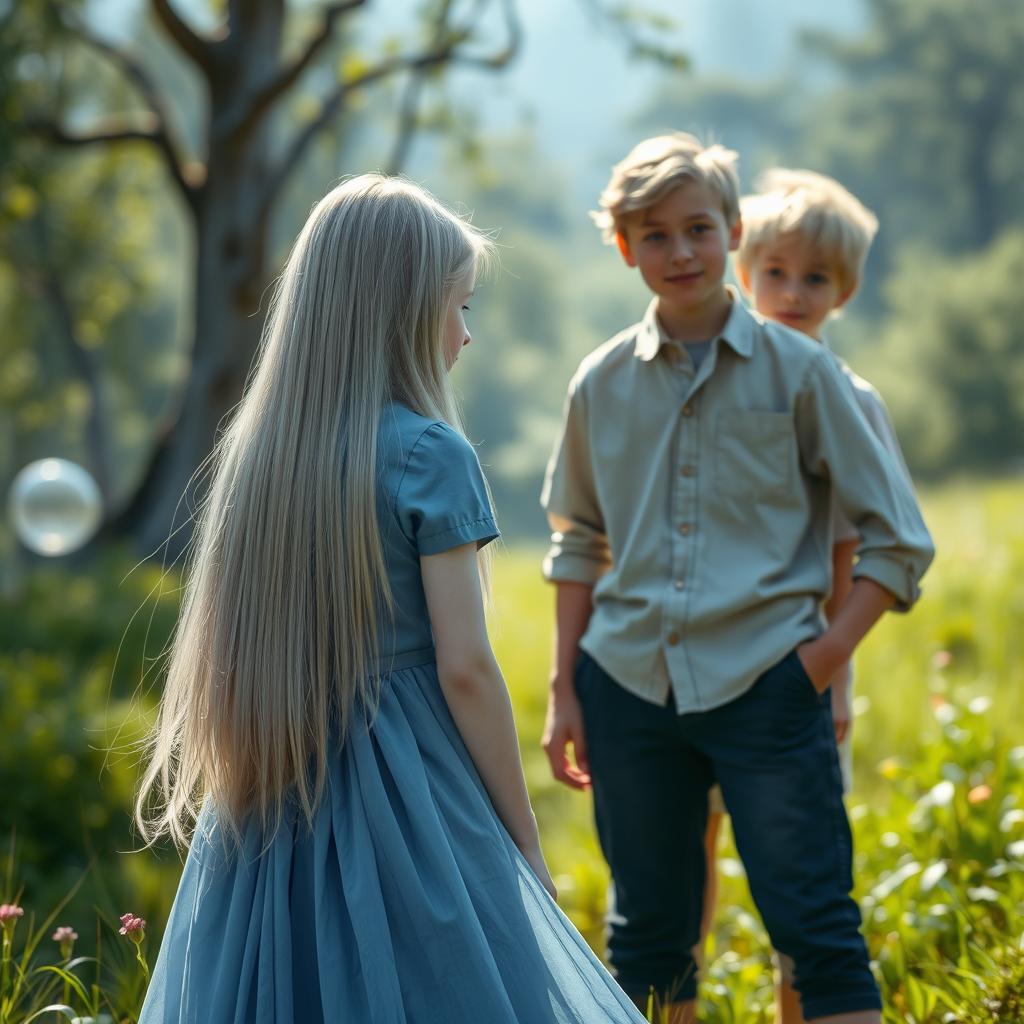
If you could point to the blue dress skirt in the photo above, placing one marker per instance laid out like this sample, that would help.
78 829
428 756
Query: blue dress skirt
407 902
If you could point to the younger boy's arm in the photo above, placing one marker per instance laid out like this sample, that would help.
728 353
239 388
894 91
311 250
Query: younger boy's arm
842 583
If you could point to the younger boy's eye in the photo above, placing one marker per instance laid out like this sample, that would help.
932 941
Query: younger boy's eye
774 271
817 278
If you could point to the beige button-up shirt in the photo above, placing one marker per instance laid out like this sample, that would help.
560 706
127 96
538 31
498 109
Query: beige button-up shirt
698 504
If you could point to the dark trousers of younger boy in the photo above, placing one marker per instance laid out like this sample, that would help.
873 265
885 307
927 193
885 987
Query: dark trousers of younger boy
773 752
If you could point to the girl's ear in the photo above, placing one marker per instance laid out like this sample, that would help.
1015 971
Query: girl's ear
627 253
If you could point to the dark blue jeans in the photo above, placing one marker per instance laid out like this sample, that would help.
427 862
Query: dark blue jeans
773 752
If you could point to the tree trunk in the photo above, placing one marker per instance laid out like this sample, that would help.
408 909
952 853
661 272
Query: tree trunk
230 277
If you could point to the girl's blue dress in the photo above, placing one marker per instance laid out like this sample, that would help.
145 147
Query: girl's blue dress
408 903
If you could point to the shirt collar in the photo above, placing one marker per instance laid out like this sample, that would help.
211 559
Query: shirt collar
738 332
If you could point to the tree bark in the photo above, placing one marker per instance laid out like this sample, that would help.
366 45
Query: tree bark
230 231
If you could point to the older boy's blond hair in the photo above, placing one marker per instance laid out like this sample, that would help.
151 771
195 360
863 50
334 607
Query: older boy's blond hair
658 165
812 207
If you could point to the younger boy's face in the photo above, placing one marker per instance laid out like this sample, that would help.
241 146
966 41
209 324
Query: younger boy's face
681 246
795 284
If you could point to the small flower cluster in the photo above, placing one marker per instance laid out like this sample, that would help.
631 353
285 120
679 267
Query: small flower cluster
134 927
65 937
9 914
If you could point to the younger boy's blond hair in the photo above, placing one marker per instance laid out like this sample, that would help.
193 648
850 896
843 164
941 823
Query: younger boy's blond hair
656 166
812 207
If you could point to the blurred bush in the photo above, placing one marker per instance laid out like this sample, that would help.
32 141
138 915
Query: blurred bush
76 650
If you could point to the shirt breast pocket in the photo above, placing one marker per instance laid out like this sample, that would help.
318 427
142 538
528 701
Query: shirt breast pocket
754 454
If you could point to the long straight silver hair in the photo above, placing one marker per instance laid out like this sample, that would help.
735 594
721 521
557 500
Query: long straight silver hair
278 633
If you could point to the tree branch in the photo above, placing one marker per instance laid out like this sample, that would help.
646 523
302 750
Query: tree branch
407 119
198 49
108 130
417 65
333 104
154 127
279 81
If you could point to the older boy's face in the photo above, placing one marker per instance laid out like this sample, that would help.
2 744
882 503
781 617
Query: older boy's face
681 246
795 284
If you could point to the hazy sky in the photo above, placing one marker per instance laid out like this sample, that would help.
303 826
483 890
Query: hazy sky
576 84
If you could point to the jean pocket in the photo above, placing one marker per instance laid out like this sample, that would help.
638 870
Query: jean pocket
794 668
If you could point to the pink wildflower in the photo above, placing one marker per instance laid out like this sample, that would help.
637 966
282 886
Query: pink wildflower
134 927
941 660
9 914
65 937
979 794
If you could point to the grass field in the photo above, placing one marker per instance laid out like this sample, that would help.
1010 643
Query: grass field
938 797
937 804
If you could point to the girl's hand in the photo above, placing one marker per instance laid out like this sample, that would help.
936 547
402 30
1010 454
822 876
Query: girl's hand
535 858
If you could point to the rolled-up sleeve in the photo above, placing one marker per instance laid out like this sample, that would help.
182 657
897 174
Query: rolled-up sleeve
579 551
837 445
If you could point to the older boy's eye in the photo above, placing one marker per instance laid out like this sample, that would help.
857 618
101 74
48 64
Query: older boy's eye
654 236
699 229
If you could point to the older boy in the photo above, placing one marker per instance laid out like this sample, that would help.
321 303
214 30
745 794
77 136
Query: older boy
689 495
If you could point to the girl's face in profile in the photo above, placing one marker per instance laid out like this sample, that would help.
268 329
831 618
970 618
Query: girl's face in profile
456 334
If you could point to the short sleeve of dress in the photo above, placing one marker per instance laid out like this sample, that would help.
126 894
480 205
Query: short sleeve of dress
442 500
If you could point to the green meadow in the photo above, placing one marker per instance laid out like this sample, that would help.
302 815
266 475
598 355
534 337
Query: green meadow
937 804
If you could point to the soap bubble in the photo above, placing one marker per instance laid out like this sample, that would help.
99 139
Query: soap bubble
55 506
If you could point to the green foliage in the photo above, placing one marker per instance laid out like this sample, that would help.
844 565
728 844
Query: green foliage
938 102
42 979
74 649
86 290
950 359
938 805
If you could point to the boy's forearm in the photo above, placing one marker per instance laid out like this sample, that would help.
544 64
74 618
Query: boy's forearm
865 604
842 576
574 605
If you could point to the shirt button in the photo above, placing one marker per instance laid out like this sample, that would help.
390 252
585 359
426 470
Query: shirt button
684 528
687 470
687 411
672 639
678 584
